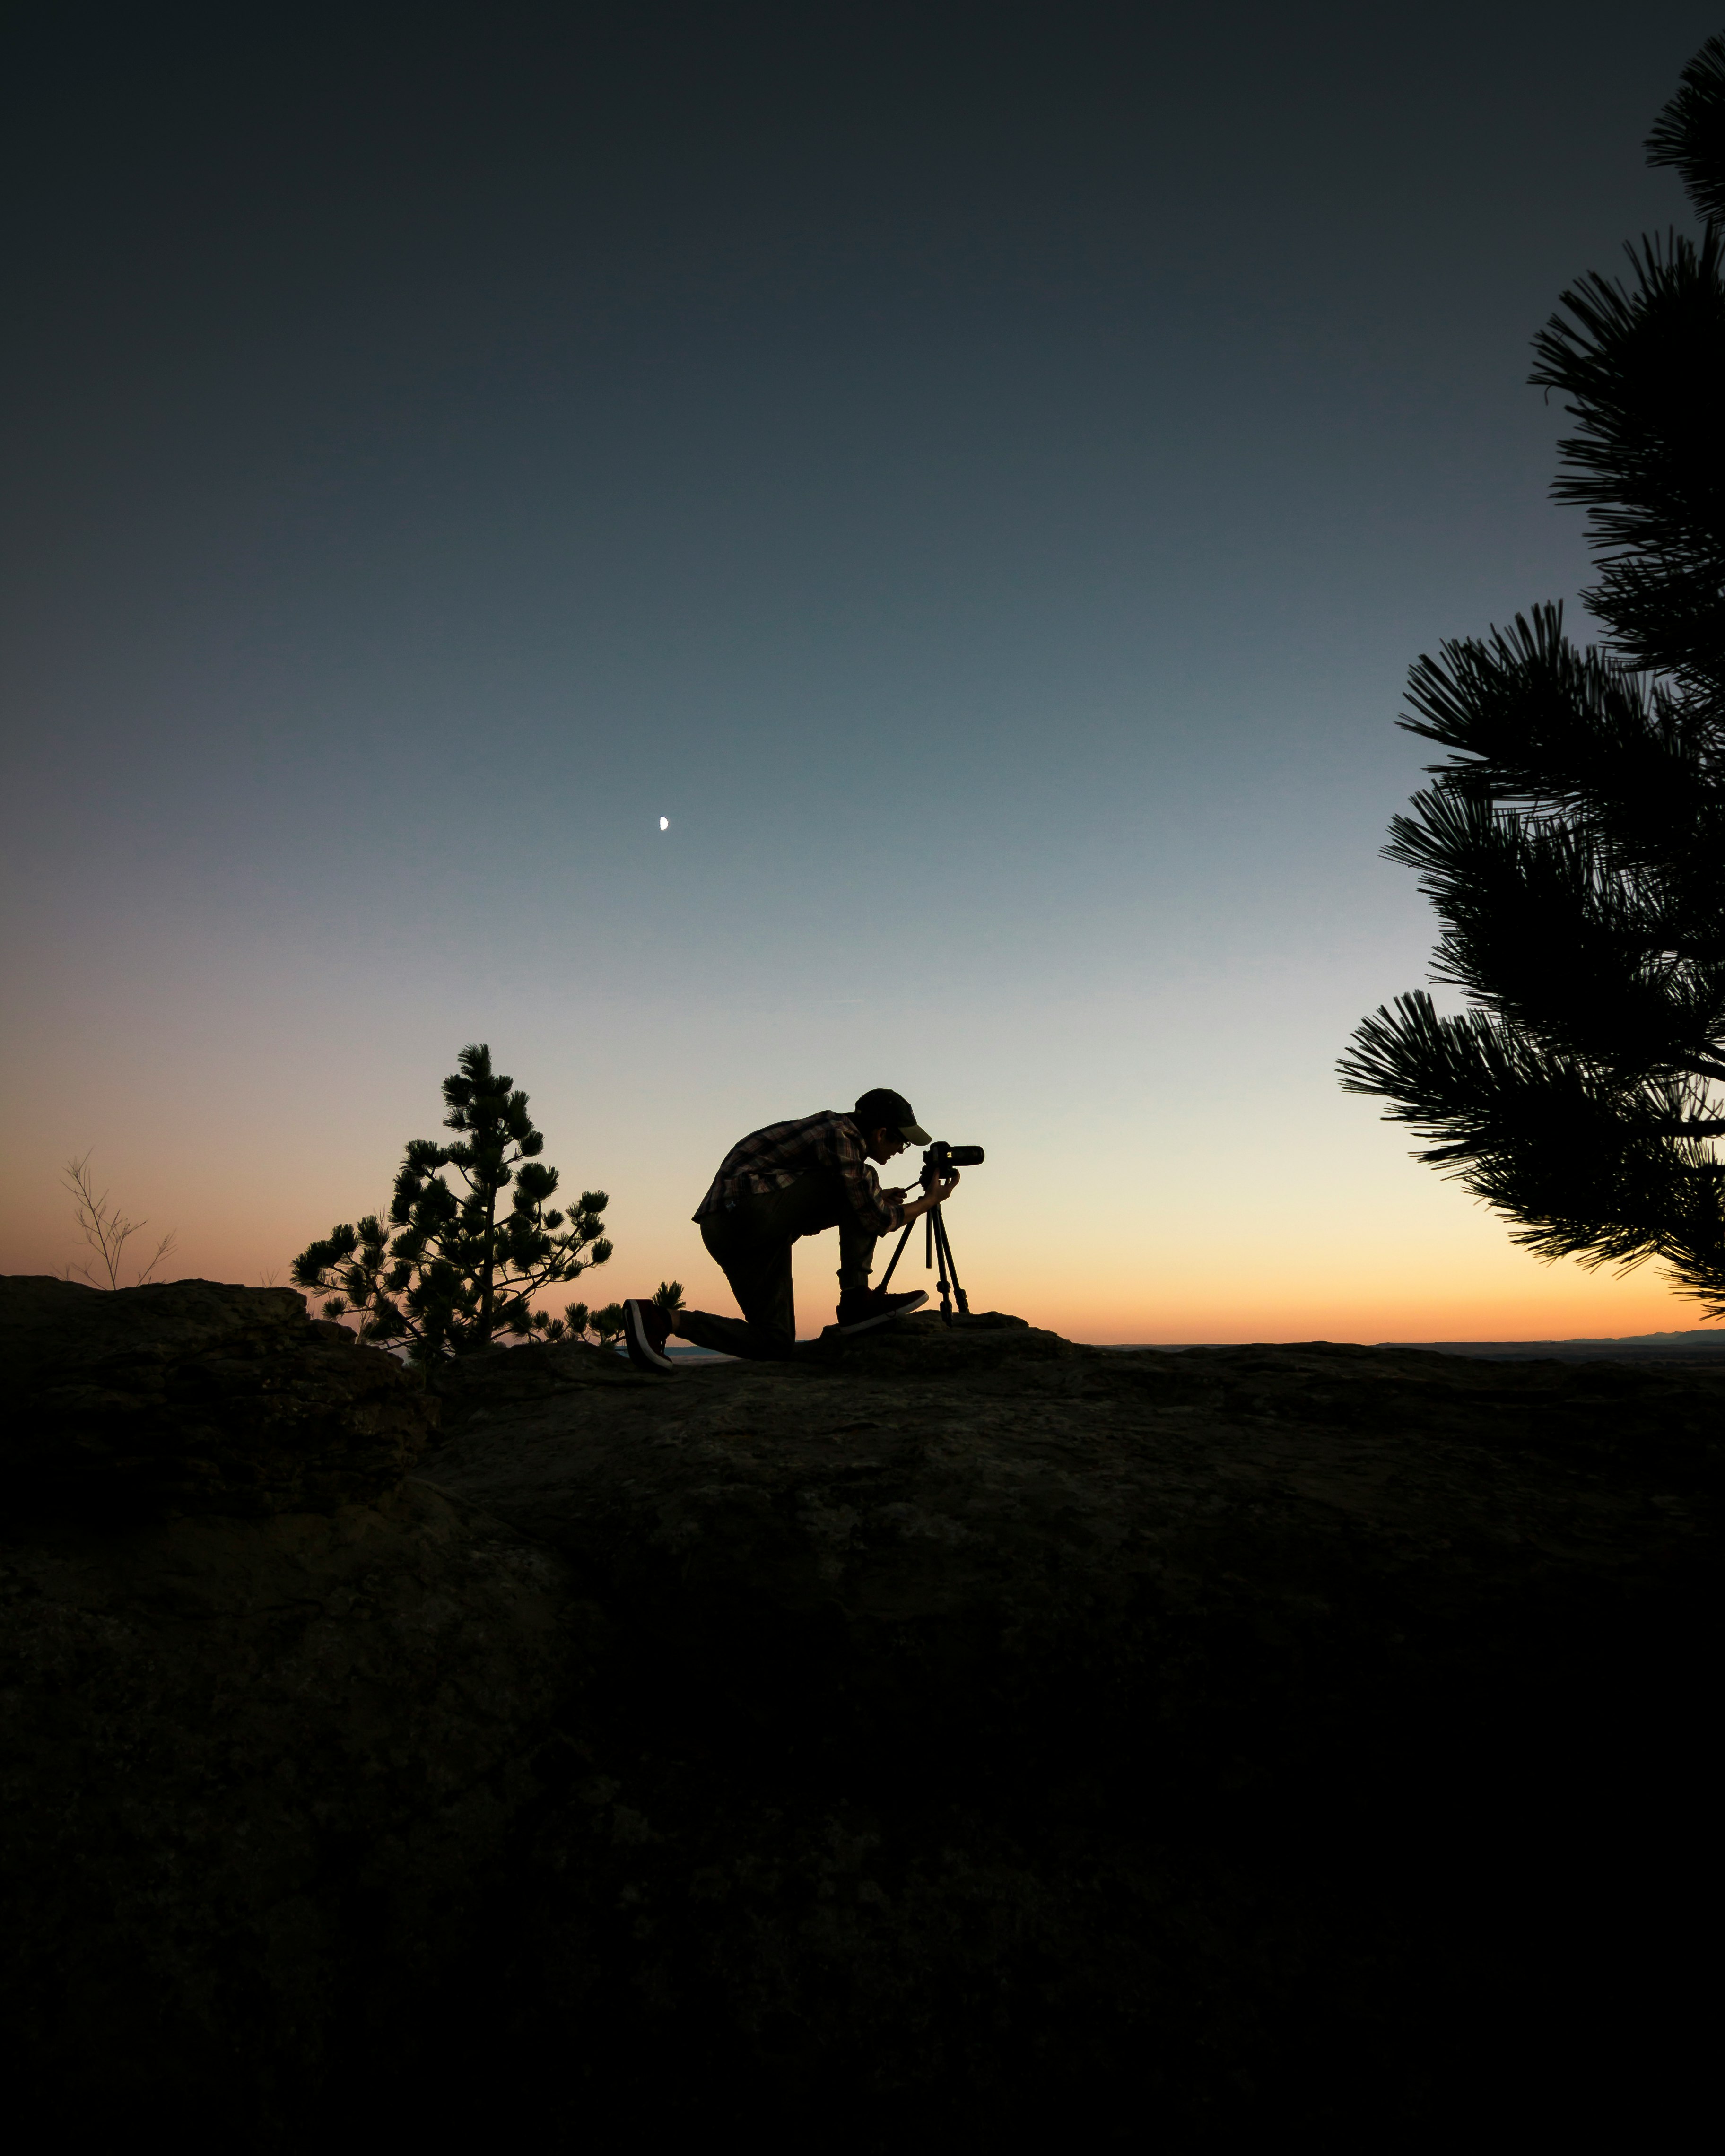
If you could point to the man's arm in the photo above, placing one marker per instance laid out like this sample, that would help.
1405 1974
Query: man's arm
877 1210
936 1195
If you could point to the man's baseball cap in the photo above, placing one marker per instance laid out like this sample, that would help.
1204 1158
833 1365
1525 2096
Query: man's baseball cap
883 1107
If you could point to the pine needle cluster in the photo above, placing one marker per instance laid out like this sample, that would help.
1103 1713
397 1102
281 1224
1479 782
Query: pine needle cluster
1572 841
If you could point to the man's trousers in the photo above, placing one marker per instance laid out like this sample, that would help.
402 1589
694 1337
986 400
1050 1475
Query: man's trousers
751 1239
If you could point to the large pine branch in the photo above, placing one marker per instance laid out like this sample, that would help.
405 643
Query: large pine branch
1572 842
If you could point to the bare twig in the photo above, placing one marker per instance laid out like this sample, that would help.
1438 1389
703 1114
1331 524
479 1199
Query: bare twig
105 1230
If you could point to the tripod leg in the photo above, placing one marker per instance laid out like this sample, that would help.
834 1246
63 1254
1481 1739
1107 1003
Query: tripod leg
949 1263
887 1276
937 1238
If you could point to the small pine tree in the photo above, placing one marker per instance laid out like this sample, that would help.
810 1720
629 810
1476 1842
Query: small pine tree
604 1327
1573 843
578 1322
454 1276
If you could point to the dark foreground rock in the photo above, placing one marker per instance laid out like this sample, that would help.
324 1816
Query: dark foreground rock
961 1738
194 1397
256 1772
270 1714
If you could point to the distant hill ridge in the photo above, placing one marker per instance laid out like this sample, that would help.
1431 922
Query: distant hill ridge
1701 1344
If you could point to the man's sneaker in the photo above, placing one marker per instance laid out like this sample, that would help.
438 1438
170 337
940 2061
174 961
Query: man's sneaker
861 1313
646 1330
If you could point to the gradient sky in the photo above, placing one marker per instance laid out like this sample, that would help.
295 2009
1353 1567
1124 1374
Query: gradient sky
984 475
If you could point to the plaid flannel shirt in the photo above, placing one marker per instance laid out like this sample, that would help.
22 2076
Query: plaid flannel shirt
771 1158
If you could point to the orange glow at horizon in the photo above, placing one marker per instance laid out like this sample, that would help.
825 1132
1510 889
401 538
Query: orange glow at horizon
1184 1232
1484 1290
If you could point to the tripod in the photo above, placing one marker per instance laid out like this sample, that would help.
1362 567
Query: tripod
936 1244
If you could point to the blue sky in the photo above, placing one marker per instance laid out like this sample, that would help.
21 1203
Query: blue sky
983 476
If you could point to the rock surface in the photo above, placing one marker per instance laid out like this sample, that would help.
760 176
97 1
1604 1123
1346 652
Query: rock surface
194 1397
261 1745
997 1731
943 1739
254 1772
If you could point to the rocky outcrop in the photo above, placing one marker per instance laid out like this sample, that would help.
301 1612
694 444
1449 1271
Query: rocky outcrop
255 1774
194 1397
946 1737
270 1715
935 1531
1003 1740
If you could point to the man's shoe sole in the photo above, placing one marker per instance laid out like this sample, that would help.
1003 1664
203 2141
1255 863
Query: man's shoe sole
641 1351
886 1317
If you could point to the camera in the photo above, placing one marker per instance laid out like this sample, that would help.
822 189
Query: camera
941 1159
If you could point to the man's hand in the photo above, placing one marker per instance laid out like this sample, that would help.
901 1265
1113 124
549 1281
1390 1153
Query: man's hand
936 1193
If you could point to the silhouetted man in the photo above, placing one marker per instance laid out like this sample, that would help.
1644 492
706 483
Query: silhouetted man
788 1180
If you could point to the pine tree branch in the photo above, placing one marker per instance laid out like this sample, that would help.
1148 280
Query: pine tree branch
1690 132
1572 845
